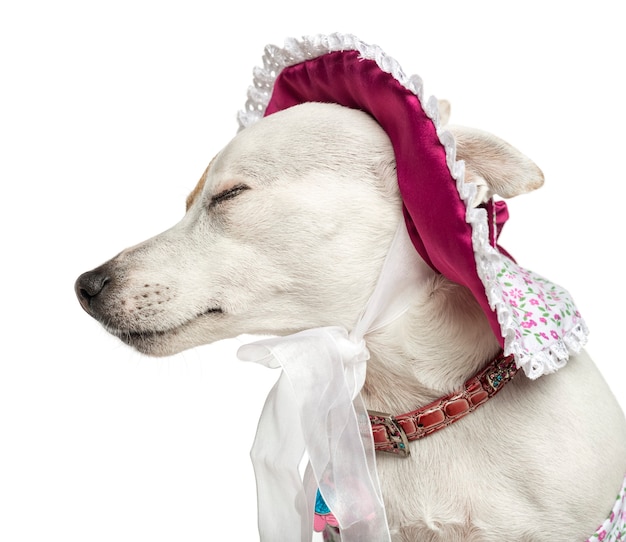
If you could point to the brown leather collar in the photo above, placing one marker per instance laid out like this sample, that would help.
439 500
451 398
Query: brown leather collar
393 433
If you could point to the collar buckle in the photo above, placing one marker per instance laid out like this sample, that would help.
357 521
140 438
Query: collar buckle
396 435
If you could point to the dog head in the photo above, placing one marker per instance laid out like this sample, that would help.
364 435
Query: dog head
286 230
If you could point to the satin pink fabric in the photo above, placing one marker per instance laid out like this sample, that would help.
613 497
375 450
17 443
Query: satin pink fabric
433 210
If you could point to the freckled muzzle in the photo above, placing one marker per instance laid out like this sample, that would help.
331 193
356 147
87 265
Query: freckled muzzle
98 292
141 313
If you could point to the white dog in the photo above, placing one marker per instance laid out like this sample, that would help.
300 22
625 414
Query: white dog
287 230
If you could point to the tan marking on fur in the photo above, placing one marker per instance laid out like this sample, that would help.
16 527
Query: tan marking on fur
191 198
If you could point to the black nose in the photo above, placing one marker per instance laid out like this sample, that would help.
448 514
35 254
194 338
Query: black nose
88 286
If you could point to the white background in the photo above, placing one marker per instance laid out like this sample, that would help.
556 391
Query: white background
109 113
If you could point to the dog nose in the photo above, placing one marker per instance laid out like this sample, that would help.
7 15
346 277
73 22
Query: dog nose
88 286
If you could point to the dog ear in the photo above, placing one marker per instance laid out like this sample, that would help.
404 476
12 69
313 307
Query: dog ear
443 106
494 165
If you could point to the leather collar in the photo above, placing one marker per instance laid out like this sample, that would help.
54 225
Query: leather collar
393 433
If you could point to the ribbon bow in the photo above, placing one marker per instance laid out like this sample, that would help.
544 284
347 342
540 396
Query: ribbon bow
316 407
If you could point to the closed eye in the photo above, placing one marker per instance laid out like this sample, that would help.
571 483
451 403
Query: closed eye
230 193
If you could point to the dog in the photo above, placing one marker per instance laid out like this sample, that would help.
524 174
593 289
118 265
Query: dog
287 230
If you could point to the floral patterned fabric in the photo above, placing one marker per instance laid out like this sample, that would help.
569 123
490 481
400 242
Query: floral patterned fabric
542 322
614 528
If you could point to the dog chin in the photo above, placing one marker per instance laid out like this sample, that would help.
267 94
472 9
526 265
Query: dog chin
156 344
161 343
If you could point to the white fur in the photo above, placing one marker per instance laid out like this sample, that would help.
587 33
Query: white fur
302 246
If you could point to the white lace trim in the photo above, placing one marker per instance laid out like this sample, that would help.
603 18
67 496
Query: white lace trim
536 361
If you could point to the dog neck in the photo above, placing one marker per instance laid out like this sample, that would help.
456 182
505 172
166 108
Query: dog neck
441 341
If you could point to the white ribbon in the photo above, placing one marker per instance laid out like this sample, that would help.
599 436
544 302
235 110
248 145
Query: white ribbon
316 407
